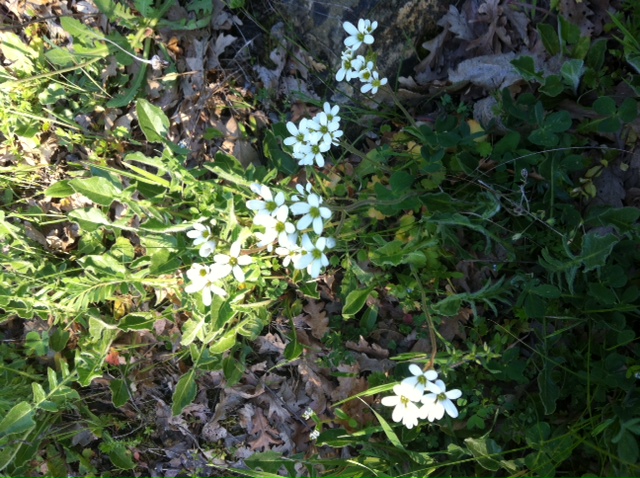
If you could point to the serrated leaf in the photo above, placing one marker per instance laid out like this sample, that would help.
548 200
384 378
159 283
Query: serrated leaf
18 420
596 249
119 392
482 449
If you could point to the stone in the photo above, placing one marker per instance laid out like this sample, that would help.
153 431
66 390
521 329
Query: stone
403 25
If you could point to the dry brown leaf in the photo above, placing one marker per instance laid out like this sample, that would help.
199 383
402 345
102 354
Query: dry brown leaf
373 350
452 327
316 387
317 318
578 13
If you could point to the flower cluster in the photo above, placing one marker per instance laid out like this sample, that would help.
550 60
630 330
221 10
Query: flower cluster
208 278
291 227
411 403
311 138
300 244
357 66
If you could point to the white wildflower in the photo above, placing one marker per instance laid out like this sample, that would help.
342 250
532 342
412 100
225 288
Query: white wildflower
312 213
268 204
360 34
312 256
201 236
404 403
419 379
439 401
232 262
203 279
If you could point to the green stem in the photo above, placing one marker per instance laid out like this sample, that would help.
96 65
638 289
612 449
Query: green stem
432 329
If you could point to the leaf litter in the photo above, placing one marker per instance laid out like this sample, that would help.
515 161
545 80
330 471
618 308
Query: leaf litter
263 411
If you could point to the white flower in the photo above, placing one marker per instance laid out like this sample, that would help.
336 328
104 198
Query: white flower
314 434
349 65
277 227
303 191
203 279
201 236
289 253
308 413
232 262
361 34
300 135
439 401
312 256
331 111
374 83
312 213
329 129
419 379
270 205
404 402
312 152
366 72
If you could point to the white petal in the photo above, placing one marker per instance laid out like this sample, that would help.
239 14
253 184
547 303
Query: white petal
206 296
453 394
238 274
415 370
304 222
318 226
450 408
431 375
245 260
234 250
398 413
255 204
300 208
350 28
221 259
390 401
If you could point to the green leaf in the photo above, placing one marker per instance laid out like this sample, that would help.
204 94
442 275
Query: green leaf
153 122
121 457
572 71
596 249
558 122
137 321
103 264
604 106
553 86
482 449
624 219
100 190
273 151
119 392
185 392
547 291
224 343
355 301
628 448
549 38
192 329
527 69
628 110
537 434
61 189
549 391
18 420
388 431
